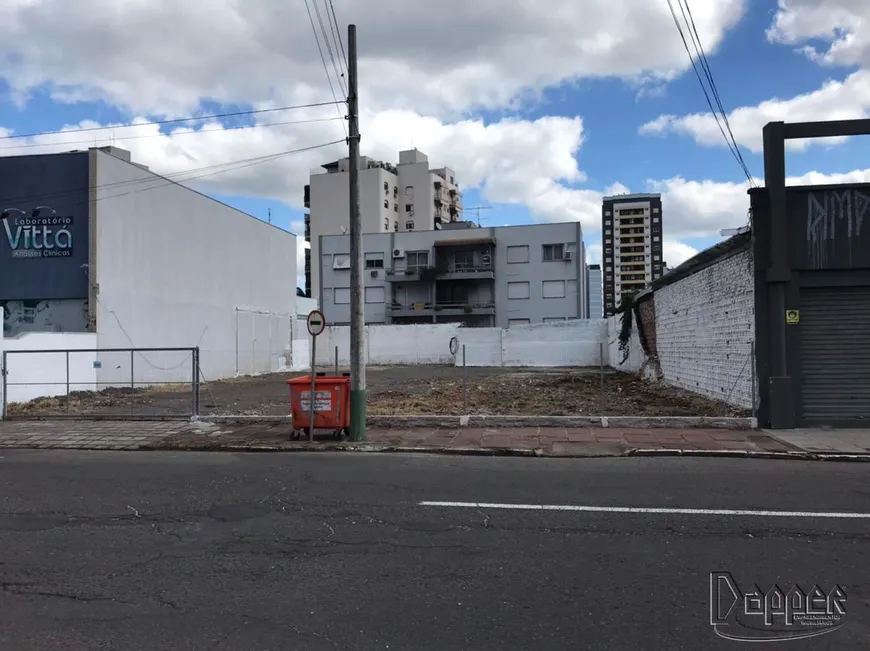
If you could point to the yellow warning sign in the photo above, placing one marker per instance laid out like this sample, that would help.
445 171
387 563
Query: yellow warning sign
792 317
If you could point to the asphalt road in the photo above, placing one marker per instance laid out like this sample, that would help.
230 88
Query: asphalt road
318 551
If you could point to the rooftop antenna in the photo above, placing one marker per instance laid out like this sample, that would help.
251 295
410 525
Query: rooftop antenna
270 215
477 209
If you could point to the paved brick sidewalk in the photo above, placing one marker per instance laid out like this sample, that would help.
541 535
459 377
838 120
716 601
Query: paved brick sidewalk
136 435
87 435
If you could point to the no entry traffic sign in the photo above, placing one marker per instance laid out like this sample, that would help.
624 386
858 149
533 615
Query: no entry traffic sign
316 323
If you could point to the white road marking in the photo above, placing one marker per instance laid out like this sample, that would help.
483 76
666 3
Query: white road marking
642 509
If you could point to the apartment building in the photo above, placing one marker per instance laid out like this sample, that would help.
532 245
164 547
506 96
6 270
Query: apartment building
410 196
481 277
594 280
631 238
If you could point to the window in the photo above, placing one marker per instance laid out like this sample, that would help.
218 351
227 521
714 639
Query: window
409 208
342 295
416 259
608 240
374 294
409 226
386 187
463 259
656 238
451 183
608 260
547 319
386 224
395 209
655 221
341 261
386 205
518 254
395 191
375 260
657 257
513 322
396 226
554 288
655 212
409 191
554 252
608 231
518 290
607 213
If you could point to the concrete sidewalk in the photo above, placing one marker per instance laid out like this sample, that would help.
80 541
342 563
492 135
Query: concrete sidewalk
529 441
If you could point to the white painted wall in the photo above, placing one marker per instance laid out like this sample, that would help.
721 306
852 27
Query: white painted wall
578 342
635 359
570 343
173 266
387 344
48 371
705 326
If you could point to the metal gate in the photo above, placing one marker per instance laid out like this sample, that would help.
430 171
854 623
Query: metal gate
835 355
100 383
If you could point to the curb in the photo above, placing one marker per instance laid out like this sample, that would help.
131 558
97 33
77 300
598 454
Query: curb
498 422
798 455
517 452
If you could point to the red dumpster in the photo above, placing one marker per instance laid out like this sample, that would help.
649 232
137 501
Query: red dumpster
331 402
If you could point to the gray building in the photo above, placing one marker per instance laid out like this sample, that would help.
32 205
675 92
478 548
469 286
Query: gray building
476 276
631 238
594 292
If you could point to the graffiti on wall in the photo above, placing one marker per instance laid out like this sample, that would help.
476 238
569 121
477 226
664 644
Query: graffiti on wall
70 315
833 214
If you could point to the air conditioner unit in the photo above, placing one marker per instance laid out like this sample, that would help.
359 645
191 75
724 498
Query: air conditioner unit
568 255
374 273
486 258
398 253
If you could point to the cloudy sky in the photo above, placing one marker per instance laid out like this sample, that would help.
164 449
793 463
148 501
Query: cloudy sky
540 108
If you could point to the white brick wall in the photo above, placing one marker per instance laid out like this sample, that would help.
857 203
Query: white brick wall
705 325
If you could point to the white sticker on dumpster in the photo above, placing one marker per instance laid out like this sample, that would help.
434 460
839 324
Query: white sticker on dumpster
322 401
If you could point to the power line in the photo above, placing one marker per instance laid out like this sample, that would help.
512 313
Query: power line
172 121
323 60
327 39
337 32
735 152
162 180
168 135
709 73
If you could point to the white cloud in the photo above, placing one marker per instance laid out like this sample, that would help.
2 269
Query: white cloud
169 56
830 32
835 100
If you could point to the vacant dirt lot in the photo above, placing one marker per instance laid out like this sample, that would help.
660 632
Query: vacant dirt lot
413 390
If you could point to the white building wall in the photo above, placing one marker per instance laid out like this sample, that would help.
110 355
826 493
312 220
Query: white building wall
705 329
178 269
36 375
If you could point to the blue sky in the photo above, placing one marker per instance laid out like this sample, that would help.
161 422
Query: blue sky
693 172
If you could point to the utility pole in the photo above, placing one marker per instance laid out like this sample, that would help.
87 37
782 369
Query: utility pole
357 305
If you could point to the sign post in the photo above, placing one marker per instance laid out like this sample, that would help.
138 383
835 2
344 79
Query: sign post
316 325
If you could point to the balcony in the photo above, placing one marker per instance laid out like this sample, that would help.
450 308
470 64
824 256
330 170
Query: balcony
442 309
410 275
461 271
